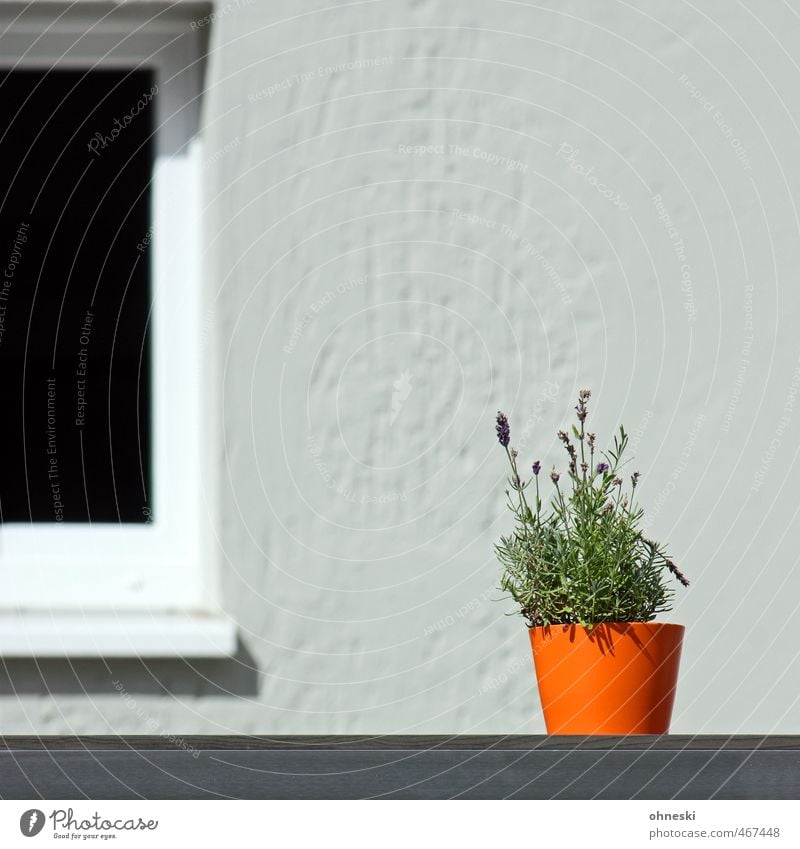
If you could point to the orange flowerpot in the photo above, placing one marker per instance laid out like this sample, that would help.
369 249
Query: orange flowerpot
615 678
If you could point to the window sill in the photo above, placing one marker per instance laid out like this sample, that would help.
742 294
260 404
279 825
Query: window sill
148 635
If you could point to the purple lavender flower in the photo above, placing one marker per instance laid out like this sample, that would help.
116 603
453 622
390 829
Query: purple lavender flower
554 475
503 430
602 467
677 573
583 396
564 437
537 467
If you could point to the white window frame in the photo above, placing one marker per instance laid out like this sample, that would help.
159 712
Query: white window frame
72 589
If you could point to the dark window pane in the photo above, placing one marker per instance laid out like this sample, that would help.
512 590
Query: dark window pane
77 161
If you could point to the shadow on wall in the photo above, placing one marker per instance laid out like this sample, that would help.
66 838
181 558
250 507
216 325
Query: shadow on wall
233 676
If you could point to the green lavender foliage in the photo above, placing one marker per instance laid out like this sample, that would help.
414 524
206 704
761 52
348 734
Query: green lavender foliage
582 558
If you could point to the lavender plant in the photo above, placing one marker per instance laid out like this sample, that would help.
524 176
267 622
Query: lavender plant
582 558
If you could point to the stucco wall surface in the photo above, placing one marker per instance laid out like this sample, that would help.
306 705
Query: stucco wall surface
419 213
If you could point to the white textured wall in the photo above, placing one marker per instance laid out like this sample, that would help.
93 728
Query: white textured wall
526 255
